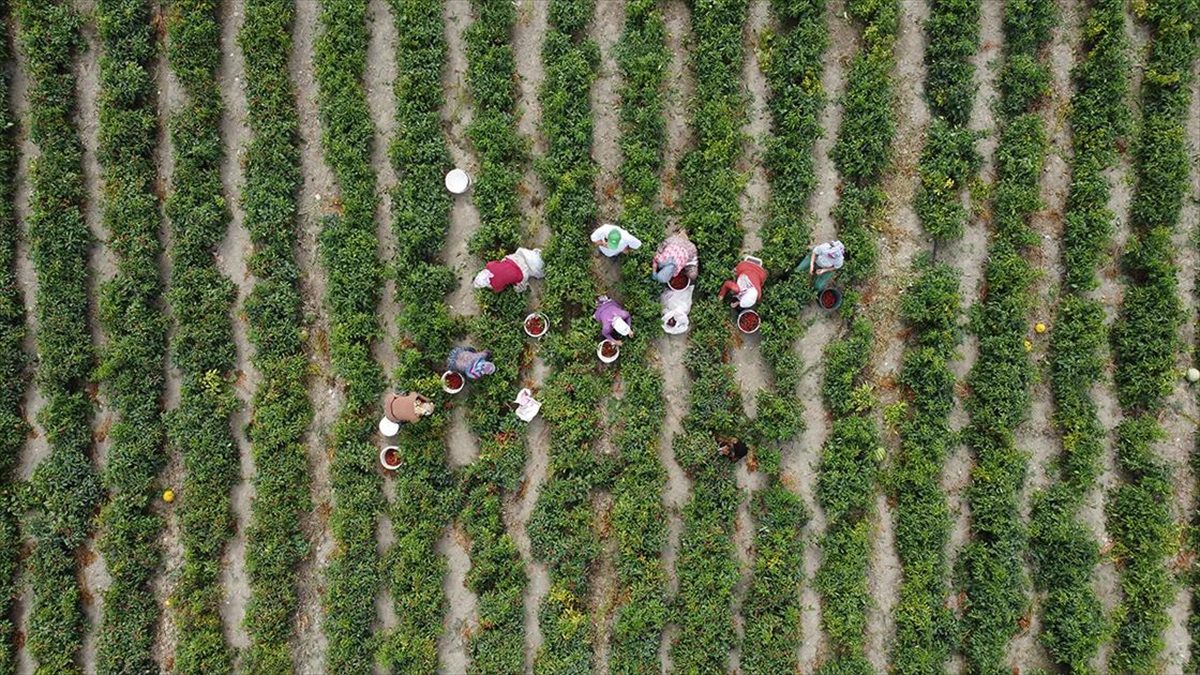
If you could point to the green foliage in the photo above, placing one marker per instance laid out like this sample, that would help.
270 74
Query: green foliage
282 412
1064 550
561 528
847 480
638 517
1138 516
925 627
863 148
711 216
1146 343
421 219
497 574
65 489
203 347
989 568
12 365
132 367
793 65
348 252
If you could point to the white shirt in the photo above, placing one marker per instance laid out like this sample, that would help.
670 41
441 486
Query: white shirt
747 293
628 241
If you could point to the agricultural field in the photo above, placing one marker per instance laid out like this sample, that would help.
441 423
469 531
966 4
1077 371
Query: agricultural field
225 233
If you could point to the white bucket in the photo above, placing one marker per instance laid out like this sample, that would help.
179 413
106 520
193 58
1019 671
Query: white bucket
748 312
383 458
457 181
600 352
446 382
545 325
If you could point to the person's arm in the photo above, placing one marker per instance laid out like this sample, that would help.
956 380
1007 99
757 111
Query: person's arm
726 288
824 270
812 262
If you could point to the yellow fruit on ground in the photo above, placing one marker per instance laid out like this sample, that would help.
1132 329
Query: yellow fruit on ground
168 496
1040 327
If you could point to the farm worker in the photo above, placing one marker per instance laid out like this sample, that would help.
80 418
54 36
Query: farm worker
746 285
613 241
676 305
403 408
469 362
732 448
513 270
822 262
613 318
677 254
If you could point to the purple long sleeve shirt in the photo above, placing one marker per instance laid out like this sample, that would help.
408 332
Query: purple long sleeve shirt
605 313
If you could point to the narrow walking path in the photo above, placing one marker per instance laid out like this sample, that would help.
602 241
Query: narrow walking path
528 34
315 199
231 259
102 268
680 87
462 615
968 256
803 463
1037 435
169 102
902 241
751 370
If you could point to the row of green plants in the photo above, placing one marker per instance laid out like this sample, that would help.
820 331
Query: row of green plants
848 470
276 543
420 221
201 300
792 62
563 527
863 149
990 571
638 517
12 367
1065 551
1146 342
497 575
949 160
925 626
133 362
846 485
709 211
65 490
348 245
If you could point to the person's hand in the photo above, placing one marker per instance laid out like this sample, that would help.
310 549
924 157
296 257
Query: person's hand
734 304
824 270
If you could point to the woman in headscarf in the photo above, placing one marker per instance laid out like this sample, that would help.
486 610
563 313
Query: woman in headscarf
473 364
613 318
676 255
515 269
